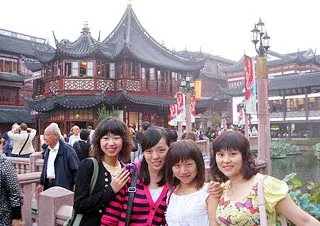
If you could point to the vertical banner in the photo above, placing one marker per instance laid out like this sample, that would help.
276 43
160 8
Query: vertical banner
250 86
198 88
241 116
181 107
173 115
193 109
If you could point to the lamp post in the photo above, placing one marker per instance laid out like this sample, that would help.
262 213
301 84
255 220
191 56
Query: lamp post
261 42
187 85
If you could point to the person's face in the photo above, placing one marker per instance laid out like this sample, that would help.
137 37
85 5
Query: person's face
50 138
76 131
185 171
229 162
111 144
155 156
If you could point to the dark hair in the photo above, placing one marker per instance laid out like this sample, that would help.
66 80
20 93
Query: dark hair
145 125
151 137
23 126
139 136
117 127
237 141
189 136
173 135
84 134
183 150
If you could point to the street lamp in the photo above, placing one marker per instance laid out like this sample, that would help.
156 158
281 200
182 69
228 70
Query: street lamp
187 85
261 41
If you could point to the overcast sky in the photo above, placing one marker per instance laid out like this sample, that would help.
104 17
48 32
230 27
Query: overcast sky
220 27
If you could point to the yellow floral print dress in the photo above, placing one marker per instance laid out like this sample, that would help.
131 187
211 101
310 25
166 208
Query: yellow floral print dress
246 211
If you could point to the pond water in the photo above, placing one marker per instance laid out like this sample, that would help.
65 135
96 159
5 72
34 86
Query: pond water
306 166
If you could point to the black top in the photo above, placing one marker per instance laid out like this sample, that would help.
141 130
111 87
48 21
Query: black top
92 206
82 149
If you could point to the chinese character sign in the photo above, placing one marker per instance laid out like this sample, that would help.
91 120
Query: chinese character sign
181 107
193 108
173 115
198 88
250 86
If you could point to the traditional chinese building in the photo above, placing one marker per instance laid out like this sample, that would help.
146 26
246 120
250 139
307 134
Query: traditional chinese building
294 93
212 78
128 70
16 52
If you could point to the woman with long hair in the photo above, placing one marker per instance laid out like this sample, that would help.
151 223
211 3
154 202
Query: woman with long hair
111 147
233 164
149 203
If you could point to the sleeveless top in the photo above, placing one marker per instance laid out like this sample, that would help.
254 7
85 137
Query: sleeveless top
245 211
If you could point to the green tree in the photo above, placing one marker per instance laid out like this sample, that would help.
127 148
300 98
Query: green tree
211 116
103 113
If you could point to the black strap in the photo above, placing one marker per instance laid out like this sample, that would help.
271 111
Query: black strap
132 190
24 144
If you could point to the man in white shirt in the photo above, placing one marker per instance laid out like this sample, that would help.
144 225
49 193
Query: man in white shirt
60 161
22 141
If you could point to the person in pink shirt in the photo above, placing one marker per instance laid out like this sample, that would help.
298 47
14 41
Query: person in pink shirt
149 203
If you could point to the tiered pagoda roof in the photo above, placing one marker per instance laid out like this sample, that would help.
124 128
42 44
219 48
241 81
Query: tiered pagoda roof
85 101
128 37
15 114
132 37
13 77
18 44
206 56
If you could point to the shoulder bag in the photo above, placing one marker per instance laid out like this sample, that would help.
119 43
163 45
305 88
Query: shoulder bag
75 220
262 203
132 190
24 144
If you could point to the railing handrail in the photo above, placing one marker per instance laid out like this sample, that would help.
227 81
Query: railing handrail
28 178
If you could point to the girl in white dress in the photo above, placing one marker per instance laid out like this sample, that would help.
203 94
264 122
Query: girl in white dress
188 200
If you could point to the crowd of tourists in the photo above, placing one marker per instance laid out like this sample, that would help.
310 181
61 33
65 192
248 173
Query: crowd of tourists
122 176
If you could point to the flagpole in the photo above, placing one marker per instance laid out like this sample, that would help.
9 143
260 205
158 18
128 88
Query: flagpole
246 124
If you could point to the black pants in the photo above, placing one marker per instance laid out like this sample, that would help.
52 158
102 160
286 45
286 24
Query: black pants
51 183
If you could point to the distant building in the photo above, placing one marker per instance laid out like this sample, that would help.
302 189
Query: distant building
294 93
128 70
16 80
212 79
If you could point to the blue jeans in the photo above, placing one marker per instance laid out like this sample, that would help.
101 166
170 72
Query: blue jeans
7 152
21 156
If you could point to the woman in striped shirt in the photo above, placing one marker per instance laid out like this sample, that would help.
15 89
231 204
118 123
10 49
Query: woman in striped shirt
149 204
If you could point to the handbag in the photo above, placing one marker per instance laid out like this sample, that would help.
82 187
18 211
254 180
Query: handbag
75 220
262 204
132 190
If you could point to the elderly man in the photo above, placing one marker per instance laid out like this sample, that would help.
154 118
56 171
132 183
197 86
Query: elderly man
60 161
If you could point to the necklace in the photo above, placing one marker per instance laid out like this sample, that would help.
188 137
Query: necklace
113 170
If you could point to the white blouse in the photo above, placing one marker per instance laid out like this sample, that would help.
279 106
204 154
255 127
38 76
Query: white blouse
188 210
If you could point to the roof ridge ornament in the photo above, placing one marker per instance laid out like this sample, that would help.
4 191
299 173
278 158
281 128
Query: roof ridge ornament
85 29
129 2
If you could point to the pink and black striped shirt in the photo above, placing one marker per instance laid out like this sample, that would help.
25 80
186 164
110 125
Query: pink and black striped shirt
144 210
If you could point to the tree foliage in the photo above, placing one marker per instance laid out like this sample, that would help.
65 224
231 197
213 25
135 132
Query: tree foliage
211 116
103 113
